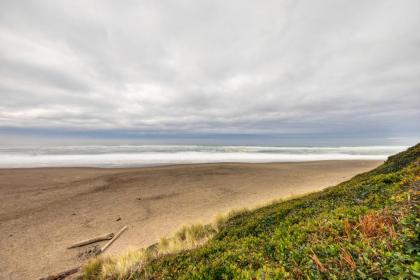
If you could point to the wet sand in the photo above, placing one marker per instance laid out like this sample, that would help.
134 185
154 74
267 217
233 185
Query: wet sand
44 210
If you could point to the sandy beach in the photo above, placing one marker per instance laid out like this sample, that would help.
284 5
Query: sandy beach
44 210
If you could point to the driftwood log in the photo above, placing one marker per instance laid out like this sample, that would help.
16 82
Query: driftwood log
92 240
64 274
112 240
61 275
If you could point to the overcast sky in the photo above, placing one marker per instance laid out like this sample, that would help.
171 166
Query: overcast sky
188 68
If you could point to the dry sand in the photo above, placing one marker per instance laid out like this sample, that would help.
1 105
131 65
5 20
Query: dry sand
44 210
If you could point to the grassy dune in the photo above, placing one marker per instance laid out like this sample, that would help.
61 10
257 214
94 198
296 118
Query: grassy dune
367 228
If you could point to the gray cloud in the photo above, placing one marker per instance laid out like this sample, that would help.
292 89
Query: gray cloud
211 66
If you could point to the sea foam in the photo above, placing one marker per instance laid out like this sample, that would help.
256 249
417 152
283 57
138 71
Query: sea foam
150 155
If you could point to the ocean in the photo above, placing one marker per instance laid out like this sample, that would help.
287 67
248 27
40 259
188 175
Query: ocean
153 155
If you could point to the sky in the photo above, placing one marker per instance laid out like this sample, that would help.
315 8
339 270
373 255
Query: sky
275 72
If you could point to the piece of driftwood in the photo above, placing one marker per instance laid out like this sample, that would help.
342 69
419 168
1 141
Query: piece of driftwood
64 274
92 240
61 275
112 240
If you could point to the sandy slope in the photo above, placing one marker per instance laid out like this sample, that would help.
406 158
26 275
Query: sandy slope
42 211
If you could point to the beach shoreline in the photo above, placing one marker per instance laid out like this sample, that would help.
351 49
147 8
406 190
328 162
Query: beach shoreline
44 210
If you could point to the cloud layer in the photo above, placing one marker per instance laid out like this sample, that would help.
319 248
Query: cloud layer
211 66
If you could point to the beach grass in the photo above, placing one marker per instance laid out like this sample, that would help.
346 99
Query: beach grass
364 228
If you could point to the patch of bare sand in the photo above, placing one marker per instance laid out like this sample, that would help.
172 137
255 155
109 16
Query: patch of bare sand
44 210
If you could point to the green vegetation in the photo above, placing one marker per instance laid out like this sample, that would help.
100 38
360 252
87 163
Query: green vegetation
365 228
